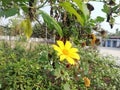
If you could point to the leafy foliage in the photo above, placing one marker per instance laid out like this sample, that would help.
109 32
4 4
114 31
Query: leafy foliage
37 68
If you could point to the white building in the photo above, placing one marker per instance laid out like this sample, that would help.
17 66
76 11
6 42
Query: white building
113 41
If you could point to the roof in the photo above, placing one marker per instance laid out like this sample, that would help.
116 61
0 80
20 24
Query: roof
114 37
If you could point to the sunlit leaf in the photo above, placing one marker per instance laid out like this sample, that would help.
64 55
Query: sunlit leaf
26 27
67 6
83 7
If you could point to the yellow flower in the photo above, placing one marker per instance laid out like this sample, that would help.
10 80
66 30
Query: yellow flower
93 39
93 36
86 81
65 51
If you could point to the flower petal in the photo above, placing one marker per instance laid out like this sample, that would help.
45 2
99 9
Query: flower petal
70 60
73 50
75 56
62 57
60 44
86 81
68 45
58 54
57 48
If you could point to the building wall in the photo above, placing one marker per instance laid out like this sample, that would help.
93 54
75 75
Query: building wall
111 43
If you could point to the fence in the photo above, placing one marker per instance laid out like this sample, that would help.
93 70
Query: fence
18 38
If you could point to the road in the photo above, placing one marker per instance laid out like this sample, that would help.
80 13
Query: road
110 51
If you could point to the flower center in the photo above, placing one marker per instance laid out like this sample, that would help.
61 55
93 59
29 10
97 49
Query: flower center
65 52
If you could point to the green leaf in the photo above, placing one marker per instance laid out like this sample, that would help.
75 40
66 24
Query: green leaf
5 2
24 8
57 73
83 7
85 67
85 10
9 12
79 3
66 86
115 9
51 22
106 8
26 26
112 20
67 6
99 19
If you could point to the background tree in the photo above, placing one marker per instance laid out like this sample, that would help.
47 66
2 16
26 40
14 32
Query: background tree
73 16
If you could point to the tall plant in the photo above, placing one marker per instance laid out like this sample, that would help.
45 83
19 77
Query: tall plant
71 14
31 10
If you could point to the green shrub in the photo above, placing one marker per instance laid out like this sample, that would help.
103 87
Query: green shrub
39 68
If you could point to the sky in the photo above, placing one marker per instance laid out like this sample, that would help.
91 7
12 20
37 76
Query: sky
105 25
96 12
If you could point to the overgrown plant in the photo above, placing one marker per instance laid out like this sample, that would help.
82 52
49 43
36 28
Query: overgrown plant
38 69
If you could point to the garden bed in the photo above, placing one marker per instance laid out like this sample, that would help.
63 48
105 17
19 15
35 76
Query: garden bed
39 68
